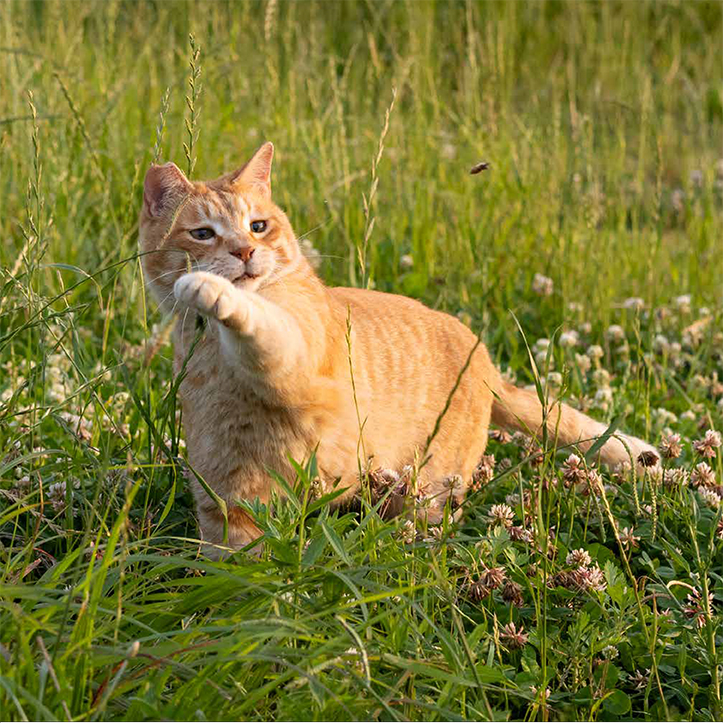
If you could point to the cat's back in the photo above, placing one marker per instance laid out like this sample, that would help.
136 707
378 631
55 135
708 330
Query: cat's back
406 359
394 314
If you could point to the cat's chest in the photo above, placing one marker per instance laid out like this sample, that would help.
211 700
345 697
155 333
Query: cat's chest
226 410
211 385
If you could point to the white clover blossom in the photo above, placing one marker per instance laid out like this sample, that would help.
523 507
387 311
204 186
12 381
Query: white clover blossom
406 262
615 333
583 363
543 285
634 303
682 303
569 339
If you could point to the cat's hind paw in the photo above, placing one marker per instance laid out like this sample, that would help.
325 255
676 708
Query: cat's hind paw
209 294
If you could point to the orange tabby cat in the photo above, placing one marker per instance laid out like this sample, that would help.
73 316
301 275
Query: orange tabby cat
270 376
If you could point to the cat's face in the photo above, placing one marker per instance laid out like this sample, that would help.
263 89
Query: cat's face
229 227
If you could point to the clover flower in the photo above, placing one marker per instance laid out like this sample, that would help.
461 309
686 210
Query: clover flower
710 497
408 532
574 470
595 352
453 483
543 285
615 333
682 303
513 637
601 378
694 608
501 515
634 303
553 380
675 477
639 679
500 435
627 538
583 363
603 399
578 558
520 534
670 446
493 577
512 594
662 417
406 262
483 472
702 475
569 339
581 579
707 446
650 460
477 591
57 493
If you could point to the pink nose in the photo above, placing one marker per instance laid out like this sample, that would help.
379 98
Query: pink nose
244 253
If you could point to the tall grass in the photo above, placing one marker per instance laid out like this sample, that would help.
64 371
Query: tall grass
602 125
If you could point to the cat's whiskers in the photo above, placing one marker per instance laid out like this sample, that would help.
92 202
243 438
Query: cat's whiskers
163 301
310 231
165 273
183 326
195 266
171 292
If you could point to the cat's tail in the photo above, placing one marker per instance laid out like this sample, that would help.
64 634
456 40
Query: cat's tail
520 409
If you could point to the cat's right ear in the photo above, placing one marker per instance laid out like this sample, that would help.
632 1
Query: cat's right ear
163 186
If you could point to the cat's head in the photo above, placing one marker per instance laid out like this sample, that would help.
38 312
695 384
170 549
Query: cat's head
229 227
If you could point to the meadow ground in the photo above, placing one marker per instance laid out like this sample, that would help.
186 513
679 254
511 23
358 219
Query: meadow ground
563 594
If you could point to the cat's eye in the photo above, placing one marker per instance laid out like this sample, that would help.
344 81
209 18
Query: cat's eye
258 226
203 234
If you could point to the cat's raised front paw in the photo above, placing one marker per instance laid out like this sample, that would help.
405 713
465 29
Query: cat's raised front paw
209 294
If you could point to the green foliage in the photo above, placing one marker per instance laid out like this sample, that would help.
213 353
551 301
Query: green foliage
602 124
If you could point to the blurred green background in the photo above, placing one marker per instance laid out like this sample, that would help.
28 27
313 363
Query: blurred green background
601 123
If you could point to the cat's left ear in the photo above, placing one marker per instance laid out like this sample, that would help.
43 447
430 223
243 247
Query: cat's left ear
257 172
163 187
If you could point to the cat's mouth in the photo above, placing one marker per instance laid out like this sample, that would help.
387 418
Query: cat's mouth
246 276
252 278
247 279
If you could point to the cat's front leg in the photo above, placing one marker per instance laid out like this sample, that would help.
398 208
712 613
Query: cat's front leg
241 530
211 295
256 333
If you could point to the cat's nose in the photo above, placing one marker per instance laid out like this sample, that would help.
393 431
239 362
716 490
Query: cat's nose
244 253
